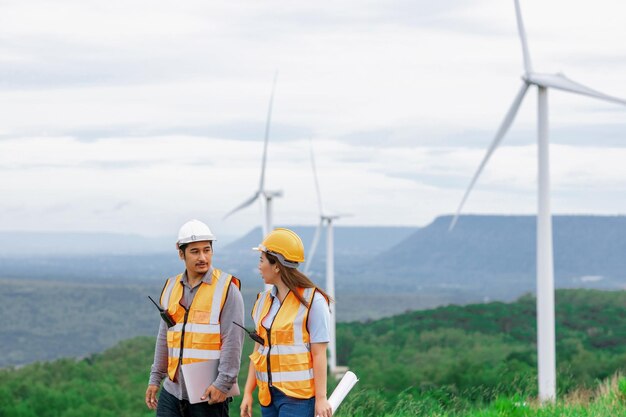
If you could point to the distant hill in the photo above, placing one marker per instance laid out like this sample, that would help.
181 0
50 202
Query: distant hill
128 268
390 269
495 255
118 257
354 245
348 240
23 244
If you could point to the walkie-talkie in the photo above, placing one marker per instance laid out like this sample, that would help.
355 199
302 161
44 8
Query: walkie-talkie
253 335
164 314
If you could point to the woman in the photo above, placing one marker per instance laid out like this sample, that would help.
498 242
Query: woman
289 367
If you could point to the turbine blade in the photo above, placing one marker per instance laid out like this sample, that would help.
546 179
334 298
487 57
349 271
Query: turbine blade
316 239
243 205
504 127
561 82
267 133
522 36
317 184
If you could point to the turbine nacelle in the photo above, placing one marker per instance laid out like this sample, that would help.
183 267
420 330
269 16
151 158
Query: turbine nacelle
271 194
330 217
561 82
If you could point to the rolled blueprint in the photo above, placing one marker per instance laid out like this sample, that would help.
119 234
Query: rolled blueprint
348 381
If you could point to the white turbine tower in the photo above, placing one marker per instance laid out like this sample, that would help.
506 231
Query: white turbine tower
266 196
545 270
326 219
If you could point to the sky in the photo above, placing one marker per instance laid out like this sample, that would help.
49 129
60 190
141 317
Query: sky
133 117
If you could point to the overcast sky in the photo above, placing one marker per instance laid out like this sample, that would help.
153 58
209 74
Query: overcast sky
134 116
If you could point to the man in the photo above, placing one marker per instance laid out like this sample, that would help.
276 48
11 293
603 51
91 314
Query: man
203 302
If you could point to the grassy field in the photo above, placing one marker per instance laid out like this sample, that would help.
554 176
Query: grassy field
608 399
475 360
112 384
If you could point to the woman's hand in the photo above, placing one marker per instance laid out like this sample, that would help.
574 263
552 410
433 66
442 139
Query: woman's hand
246 405
323 408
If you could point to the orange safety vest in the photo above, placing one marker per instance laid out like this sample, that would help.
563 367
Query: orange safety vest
287 344
196 335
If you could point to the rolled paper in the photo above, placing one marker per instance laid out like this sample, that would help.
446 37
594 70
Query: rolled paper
348 381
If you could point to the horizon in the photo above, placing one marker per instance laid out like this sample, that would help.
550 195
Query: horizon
233 237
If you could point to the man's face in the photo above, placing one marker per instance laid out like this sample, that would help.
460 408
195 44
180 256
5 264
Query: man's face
197 257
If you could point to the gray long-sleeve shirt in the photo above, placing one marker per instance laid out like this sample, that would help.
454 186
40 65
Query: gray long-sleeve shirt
231 339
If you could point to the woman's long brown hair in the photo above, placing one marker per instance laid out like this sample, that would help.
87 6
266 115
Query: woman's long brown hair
295 279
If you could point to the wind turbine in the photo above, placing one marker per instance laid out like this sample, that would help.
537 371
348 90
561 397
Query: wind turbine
262 193
545 268
326 219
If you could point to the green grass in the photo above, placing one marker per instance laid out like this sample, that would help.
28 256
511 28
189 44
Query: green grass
608 399
112 384
476 361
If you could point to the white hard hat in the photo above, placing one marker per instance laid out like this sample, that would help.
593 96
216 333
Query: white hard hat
194 231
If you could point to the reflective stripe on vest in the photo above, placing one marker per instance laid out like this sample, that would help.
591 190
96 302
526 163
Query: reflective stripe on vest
196 335
286 376
194 353
287 347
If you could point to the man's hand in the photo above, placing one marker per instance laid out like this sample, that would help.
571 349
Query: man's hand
214 395
151 396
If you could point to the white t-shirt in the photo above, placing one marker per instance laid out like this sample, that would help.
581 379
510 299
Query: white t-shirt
319 317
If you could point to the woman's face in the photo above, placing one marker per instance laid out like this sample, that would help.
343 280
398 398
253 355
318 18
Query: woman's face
269 272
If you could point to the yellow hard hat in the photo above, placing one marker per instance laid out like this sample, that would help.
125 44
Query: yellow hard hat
286 245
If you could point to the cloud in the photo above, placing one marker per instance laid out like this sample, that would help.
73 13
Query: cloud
146 184
117 207
154 112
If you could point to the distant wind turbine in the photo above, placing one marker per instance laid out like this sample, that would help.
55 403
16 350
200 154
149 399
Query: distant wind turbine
266 195
326 219
545 268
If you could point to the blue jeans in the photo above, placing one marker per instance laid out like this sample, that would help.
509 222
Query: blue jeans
285 406
170 406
